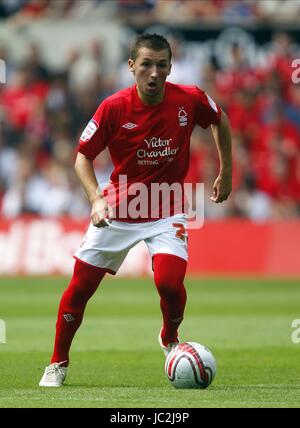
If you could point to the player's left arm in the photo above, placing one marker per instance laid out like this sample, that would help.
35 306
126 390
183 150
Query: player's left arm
222 135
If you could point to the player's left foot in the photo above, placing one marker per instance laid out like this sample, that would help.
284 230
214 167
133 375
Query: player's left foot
167 348
54 375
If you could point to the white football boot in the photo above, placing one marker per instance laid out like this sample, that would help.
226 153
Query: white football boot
54 375
170 346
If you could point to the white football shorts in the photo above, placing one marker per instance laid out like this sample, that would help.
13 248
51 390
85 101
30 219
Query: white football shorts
107 247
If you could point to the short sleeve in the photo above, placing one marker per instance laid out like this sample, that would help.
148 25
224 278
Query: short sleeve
96 135
207 111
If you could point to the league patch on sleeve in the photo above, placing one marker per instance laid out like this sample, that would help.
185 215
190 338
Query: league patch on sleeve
89 131
212 103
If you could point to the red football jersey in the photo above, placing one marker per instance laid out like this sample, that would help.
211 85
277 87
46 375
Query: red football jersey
148 145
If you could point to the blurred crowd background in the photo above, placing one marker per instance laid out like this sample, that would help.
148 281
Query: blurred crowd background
43 108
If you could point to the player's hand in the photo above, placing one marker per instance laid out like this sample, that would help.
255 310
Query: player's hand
102 212
222 188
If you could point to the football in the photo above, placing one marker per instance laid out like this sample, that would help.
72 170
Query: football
190 365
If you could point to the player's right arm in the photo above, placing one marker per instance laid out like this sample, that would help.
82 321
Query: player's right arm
92 142
101 211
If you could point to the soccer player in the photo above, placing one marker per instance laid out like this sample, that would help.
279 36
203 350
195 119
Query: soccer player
147 130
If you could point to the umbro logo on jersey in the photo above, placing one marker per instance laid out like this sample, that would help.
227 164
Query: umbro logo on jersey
129 125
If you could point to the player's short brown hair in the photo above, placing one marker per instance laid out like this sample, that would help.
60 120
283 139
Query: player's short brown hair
152 41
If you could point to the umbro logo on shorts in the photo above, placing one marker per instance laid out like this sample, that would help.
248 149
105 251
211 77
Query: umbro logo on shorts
129 125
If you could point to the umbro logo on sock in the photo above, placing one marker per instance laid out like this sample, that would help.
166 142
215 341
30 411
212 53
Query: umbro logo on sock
68 317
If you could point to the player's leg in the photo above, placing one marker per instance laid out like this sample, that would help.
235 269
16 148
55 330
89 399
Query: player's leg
103 250
169 273
168 248
84 283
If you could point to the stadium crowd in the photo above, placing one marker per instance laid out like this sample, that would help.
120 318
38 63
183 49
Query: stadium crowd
43 113
164 11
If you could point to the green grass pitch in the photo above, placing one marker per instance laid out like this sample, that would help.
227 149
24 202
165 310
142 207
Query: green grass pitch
116 361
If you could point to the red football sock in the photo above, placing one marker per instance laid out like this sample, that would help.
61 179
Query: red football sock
84 283
169 272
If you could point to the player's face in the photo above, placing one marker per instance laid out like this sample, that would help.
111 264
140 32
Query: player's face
150 68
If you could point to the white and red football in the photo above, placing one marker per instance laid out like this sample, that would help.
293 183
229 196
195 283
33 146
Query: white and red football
190 365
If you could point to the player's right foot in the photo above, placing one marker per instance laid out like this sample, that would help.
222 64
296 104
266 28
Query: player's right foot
166 348
54 375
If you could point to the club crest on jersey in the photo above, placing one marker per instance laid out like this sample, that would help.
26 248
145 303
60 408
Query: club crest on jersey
182 116
89 131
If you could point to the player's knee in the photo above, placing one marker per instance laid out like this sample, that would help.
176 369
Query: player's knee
168 285
78 297
169 272
83 284
79 292
167 290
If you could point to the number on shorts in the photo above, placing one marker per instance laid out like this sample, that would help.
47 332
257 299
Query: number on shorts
181 232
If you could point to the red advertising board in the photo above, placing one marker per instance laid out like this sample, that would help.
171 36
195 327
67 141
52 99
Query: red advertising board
241 247
35 246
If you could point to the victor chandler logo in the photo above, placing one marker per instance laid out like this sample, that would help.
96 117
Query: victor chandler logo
163 146
157 142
